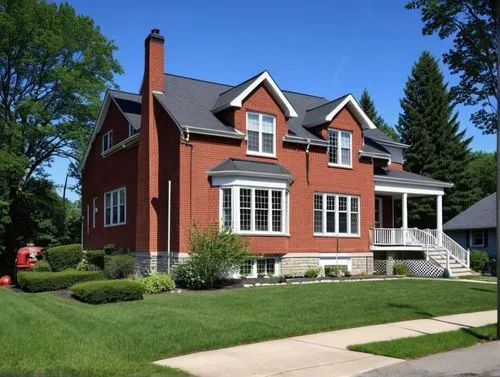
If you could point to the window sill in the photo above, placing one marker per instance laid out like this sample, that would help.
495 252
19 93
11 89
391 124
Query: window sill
349 167
265 155
336 235
114 225
260 234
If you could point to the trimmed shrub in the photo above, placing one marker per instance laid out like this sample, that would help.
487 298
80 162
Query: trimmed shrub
50 281
157 283
478 260
216 254
41 266
119 266
63 257
95 257
104 291
312 272
333 271
400 269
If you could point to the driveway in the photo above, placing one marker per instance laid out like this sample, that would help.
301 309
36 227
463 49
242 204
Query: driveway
318 355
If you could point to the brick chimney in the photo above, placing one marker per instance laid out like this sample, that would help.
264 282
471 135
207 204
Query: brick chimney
148 159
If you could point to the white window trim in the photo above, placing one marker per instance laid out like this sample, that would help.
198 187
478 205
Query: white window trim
324 233
472 238
88 218
339 149
111 212
261 154
254 274
235 210
104 138
94 211
131 130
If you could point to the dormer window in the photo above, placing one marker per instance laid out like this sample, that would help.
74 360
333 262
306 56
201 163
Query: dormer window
340 148
107 141
261 134
132 130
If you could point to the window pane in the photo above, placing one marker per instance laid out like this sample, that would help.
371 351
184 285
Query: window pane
108 216
108 200
253 122
354 205
253 141
261 266
346 156
318 201
245 209
330 222
270 265
122 214
332 150
267 124
346 148
342 203
261 210
342 222
318 221
354 223
268 143
114 218
276 215
226 208
330 203
246 268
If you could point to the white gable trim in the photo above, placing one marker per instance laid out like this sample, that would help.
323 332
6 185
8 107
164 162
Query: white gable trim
265 78
356 109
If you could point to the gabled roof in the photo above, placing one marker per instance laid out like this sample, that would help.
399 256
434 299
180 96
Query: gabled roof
129 105
388 175
234 97
326 112
235 167
379 136
481 215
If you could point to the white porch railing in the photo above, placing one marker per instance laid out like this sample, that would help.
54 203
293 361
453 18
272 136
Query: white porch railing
428 239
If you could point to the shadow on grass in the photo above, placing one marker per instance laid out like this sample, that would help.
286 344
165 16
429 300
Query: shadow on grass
477 335
416 309
483 290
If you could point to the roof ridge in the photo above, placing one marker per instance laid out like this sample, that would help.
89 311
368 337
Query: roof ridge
333 100
195 79
244 82
123 91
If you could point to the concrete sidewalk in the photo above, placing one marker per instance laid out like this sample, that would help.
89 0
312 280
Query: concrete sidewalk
323 354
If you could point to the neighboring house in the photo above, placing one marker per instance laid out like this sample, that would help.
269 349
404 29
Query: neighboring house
475 228
308 181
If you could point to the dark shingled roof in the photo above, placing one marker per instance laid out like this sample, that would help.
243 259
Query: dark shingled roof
371 146
405 175
481 215
378 135
317 115
248 166
130 105
226 97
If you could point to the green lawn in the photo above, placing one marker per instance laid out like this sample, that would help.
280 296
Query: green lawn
48 335
415 347
492 279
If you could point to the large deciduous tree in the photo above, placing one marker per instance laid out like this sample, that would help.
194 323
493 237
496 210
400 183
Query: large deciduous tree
54 67
368 105
438 149
472 25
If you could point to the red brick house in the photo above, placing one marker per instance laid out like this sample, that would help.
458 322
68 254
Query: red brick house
307 180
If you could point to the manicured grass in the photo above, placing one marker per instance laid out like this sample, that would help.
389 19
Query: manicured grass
415 347
47 335
492 279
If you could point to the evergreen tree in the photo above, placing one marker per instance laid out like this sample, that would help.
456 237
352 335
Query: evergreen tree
438 149
368 106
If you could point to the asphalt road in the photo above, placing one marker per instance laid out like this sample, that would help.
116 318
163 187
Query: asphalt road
477 361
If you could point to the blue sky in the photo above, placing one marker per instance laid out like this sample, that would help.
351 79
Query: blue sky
325 48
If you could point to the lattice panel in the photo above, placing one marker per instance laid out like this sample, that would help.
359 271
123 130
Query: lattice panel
419 267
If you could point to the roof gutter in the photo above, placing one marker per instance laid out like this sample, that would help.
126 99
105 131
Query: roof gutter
205 131
306 141
383 141
384 156
232 173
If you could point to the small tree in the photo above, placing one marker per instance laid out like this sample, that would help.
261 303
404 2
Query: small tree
216 252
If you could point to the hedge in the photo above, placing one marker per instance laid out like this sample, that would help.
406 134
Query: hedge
105 291
119 266
63 257
95 257
32 281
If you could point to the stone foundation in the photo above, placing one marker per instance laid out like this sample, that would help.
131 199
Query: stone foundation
150 263
362 265
297 266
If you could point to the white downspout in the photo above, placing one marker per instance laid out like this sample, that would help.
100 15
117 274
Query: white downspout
168 224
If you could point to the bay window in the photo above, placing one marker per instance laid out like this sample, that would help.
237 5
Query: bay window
115 207
340 148
254 210
335 214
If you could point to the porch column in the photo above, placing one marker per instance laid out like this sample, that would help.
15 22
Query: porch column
404 206
439 218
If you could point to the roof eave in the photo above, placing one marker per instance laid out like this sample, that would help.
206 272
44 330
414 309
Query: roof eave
231 173
210 132
306 141
413 181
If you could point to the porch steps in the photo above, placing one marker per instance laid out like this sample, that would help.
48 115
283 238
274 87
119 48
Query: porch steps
456 268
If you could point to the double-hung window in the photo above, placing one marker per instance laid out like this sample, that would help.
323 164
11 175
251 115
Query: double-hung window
254 210
261 134
107 141
477 238
115 207
336 214
340 148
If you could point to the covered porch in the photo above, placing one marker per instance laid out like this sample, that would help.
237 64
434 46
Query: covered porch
391 232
